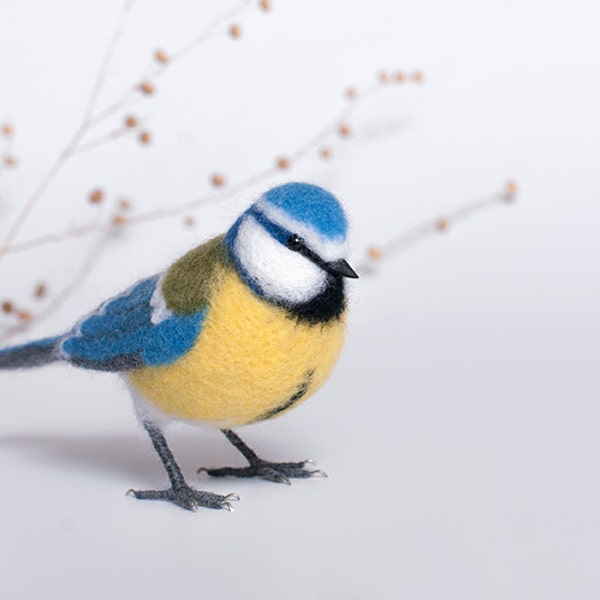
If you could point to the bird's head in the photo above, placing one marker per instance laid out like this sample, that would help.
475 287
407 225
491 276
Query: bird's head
291 242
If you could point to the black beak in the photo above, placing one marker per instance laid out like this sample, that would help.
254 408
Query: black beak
340 268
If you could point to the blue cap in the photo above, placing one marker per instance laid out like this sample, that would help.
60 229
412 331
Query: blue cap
311 205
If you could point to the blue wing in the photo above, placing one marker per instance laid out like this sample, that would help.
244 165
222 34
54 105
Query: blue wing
127 332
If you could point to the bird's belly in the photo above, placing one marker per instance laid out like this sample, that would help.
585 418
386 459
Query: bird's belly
251 362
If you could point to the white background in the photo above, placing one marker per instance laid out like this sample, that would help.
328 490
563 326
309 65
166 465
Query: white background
460 429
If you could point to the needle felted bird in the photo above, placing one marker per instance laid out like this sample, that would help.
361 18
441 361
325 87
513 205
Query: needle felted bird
238 330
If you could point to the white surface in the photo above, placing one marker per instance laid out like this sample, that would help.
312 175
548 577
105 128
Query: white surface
460 429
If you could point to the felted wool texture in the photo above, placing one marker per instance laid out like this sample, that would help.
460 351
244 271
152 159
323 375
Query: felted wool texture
122 334
328 305
33 354
190 282
279 273
310 205
200 343
327 248
258 242
250 359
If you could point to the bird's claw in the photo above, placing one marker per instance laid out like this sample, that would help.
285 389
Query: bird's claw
281 472
319 473
187 497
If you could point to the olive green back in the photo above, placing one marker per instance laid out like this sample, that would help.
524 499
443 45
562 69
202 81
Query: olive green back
190 281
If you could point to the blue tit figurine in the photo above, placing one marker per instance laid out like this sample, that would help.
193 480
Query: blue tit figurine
239 330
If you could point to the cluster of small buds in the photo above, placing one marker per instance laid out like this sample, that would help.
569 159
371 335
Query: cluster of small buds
19 314
386 77
123 206
400 77
132 122
7 132
11 309
130 126
342 128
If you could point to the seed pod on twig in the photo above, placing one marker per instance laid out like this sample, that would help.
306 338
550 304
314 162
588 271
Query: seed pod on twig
96 196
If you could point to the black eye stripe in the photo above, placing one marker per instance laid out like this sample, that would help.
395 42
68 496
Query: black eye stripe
291 240
305 251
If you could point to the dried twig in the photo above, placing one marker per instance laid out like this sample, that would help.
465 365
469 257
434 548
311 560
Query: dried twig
338 125
69 149
59 299
399 243
144 86
91 118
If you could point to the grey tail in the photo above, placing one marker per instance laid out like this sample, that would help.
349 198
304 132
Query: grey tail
33 354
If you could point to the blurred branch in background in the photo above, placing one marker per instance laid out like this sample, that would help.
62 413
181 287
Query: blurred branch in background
323 142
403 241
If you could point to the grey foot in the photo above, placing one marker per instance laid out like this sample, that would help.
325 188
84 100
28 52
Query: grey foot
187 497
271 471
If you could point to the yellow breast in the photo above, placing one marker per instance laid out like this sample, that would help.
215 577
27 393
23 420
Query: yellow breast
251 361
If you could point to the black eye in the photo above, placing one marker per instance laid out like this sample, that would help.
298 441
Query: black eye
294 242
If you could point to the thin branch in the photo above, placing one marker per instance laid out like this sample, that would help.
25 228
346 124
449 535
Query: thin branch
132 96
90 119
330 128
102 140
54 170
108 55
67 152
81 275
399 243
206 34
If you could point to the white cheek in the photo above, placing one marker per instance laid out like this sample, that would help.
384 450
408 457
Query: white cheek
280 273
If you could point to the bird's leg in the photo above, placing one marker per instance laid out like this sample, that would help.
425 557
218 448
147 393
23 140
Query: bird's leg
180 492
272 471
